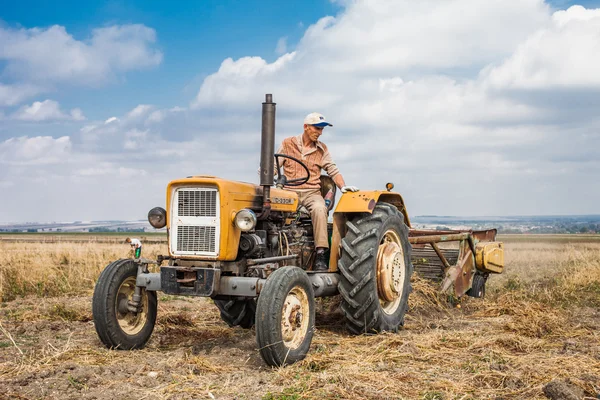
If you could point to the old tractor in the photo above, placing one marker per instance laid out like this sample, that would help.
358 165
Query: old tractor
250 248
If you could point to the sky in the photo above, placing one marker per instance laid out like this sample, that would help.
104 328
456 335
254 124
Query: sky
470 108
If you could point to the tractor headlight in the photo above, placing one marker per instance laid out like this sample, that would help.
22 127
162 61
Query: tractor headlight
157 217
245 220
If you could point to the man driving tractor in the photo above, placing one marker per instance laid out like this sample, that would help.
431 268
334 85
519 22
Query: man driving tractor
315 155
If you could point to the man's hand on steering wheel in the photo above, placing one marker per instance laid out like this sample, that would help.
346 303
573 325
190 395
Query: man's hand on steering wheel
282 179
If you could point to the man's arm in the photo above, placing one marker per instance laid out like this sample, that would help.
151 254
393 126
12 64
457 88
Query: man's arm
339 181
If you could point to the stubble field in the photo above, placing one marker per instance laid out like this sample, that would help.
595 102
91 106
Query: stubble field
538 323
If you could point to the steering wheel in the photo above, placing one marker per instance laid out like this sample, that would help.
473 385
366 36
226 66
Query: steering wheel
282 180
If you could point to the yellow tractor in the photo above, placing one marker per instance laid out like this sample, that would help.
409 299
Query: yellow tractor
250 248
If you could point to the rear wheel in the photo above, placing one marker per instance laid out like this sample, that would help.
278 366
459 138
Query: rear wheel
375 271
285 317
116 325
237 312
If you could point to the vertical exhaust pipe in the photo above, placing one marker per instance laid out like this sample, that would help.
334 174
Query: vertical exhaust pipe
267 149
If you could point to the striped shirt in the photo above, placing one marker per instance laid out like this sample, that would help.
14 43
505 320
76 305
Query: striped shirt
314 157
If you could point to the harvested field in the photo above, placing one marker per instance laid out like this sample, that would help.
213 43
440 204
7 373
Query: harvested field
540 322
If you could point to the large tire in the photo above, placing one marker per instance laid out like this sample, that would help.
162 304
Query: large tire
237 312
478 287
375 271
285 317
117 327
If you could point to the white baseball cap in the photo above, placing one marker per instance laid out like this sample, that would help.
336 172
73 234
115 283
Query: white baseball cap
316 119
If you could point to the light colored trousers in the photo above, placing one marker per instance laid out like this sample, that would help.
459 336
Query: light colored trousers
314 202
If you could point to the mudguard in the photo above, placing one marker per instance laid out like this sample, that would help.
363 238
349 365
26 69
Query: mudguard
365 201
359 202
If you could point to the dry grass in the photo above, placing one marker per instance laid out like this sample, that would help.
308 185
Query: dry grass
58 268
540 322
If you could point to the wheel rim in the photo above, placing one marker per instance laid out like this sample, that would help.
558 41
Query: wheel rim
390 271
295 316
130 323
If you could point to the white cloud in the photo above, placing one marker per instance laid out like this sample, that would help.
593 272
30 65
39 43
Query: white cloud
47 110
94 171
369 41
131 172
77 114
237 82
563 54
111 170
53 55
139 111
391 36
35 150
15 94
134 139
159 116
156 116
281 47
111 119
391 84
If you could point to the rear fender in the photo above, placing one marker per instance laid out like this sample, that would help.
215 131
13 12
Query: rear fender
359 202
365 201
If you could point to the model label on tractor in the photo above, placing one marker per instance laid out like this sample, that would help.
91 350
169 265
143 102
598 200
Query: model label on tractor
281 200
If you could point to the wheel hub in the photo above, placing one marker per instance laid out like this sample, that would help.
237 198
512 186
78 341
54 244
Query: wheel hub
294 318
130 323
390 270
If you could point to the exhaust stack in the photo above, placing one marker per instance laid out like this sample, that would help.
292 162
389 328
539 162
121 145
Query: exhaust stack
267 149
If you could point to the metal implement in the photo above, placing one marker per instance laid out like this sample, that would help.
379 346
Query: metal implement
477 253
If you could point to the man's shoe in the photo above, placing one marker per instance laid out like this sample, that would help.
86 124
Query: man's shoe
320 263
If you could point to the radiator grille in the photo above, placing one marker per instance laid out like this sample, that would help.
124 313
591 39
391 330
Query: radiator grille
196 238
197 203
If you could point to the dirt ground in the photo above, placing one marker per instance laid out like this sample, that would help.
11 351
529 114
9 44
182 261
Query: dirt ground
194 355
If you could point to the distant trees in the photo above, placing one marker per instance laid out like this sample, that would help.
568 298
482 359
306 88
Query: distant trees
561 227
104 229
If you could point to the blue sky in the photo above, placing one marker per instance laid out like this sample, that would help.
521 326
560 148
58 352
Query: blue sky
442 98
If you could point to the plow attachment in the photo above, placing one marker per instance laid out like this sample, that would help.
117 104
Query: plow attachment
460 259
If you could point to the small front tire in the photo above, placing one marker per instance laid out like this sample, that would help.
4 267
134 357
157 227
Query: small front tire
285 317
478 287
117 327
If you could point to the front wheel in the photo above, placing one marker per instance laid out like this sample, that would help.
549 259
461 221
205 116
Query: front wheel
115 324
375 271
285 317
